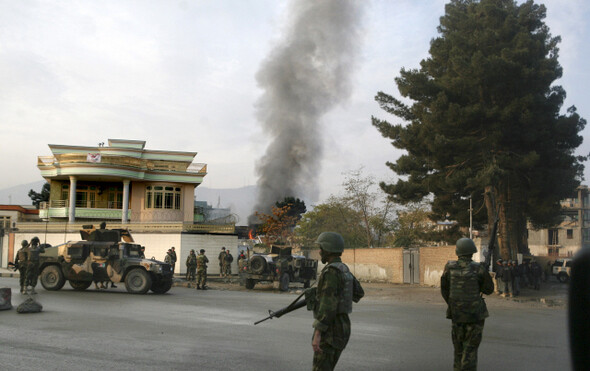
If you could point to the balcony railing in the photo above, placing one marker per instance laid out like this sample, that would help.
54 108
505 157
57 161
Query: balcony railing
150 165
86 204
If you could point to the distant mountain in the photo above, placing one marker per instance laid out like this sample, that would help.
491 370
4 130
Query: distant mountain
18 195
240 200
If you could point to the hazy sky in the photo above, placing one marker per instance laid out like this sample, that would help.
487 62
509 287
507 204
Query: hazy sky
181 76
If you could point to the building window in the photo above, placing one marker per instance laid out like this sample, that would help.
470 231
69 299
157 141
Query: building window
4 222
570 234
586 234
65 191
163 197
115 197
553 237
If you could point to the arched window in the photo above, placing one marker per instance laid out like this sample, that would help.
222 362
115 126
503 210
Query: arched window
162 197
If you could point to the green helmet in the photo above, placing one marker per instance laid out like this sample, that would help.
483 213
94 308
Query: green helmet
331 242
465 246
24 243
35 240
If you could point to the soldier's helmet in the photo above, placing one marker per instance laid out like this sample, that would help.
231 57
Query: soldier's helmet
24 243
192 250
331 242
465 246
35 240
202 250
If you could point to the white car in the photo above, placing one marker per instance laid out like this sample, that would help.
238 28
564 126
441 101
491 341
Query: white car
561 269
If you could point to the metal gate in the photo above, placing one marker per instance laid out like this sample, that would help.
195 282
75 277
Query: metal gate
411 266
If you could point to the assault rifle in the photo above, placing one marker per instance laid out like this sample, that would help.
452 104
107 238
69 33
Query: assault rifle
12 265
492 243
295 304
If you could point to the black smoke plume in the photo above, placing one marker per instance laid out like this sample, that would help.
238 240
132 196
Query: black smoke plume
305 75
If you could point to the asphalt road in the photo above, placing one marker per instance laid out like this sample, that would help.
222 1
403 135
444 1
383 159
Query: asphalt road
213 330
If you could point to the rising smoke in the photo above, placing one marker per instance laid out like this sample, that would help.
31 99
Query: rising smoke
304 76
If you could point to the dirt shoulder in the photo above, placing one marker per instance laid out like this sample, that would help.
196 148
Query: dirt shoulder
552 293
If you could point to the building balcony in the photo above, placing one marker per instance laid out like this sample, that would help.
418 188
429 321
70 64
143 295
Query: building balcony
84 209
129 162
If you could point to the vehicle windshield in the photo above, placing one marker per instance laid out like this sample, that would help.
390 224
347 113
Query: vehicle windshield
132 250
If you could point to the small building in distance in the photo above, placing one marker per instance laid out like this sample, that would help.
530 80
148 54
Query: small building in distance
572 233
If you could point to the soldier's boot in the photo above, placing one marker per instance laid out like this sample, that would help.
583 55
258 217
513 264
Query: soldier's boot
113 285
96 286
198 287
23 289
32 291
205 287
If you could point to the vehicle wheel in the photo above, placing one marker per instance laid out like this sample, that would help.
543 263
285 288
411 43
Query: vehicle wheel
284 283
161 286
563 277
250 283
257 264
138 281
52 278
306 284
80 285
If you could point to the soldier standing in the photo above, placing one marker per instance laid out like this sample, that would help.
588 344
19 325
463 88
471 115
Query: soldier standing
506 279
173 254
227 260
536 273
33 263
337 289
202 270
221 258
461 284
21 261
191 265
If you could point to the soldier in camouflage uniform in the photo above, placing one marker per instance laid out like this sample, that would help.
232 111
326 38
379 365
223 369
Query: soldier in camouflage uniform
33 263
191 265
461 284
21 261
202 271
337 289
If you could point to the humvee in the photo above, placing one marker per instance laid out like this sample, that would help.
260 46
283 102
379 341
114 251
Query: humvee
280 265
103 255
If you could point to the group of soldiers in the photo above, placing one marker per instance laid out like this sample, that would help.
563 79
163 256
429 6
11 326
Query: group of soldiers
171 258
511 276
197 269
27 263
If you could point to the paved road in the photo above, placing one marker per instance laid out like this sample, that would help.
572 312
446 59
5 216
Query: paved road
213 330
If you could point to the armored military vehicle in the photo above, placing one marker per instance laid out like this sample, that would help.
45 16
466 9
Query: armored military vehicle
103 255
280 265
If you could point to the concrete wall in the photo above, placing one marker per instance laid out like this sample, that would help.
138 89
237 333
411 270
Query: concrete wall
432 263
381 264
386 264
156 245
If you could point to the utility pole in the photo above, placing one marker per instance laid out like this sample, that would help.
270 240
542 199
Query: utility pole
470 216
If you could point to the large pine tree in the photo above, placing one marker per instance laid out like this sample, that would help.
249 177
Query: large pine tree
484 121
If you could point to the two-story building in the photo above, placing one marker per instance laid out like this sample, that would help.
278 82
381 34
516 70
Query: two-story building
573 232
122 181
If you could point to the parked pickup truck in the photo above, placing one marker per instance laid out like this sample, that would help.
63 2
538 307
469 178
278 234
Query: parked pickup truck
561 269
